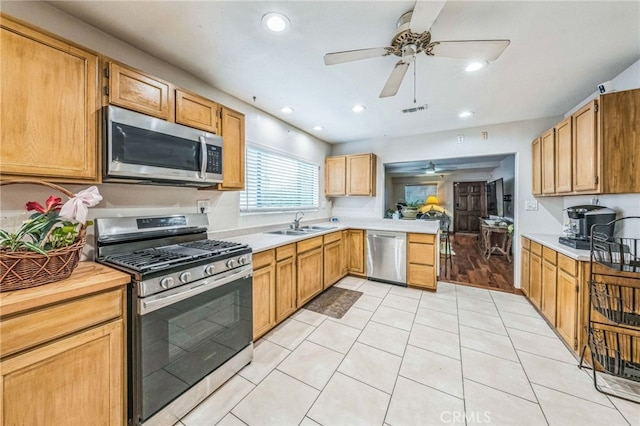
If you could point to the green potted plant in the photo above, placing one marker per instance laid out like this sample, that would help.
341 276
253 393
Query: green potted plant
411 209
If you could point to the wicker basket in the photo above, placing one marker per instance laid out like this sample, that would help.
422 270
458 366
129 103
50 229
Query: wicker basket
25 269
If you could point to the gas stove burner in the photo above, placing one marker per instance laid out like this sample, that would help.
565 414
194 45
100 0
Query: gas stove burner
146 259
214 246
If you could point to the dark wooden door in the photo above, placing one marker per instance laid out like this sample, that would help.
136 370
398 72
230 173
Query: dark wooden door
469 205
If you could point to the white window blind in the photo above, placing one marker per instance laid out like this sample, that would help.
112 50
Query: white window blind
276 182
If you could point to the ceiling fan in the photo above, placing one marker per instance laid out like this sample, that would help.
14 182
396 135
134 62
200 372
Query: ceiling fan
413 36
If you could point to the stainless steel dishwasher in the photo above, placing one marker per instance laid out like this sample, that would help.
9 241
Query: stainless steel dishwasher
387 257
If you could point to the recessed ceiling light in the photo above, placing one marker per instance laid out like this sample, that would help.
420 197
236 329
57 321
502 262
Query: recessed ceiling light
358 108
276 22
286 109
465 114
475 66
318 128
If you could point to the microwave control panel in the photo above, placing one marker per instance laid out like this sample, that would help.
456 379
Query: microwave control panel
214 159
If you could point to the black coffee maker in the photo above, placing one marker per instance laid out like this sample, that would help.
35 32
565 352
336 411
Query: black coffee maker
581 218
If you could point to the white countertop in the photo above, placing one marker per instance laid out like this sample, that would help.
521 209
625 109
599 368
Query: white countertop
551 241
265 241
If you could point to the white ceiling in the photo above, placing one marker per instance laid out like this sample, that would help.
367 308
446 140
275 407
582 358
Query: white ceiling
559 52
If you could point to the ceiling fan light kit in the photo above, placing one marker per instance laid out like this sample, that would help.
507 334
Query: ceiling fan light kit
413 36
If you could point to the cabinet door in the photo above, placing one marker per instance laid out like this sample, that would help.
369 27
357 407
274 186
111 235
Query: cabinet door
264 300
67 382
535 280
536 167
361 174
549 281
563 160
567 308
548 147
585 149
233 151
138 91
195 111
524 271
356 251
332 263
285 288
310 282
50 105
619 128
421 261
335 175
344 259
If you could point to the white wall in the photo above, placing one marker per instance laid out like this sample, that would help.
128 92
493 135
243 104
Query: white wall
122 200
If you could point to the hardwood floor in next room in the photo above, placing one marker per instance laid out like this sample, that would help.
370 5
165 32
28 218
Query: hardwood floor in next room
470 266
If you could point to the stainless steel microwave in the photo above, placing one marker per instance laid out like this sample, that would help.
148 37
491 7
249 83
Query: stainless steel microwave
143 149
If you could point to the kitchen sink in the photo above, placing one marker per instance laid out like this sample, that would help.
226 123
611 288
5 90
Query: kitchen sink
303 230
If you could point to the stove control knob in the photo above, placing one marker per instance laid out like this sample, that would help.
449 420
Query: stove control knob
166 282
185 277
242 260
229 263
210 269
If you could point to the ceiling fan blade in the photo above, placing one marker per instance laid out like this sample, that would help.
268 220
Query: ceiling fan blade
424 15
486 50
394 80
355 55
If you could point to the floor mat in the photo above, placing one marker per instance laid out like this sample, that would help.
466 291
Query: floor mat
334 302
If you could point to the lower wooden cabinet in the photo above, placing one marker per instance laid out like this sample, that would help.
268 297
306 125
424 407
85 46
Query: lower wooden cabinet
332 258
421 261
310 269
549 282
356 242
264 292
286 298
535 275
567 312
524 266
344 260
65 363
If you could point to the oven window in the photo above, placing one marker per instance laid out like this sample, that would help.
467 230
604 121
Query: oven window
184 342
132 145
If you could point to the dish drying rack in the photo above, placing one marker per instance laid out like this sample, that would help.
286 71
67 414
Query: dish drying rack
613 327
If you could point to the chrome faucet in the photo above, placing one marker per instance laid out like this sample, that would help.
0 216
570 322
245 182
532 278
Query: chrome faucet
296 220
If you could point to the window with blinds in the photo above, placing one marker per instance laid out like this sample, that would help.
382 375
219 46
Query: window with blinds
276 182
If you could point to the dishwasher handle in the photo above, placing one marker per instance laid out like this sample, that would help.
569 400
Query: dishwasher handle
387 234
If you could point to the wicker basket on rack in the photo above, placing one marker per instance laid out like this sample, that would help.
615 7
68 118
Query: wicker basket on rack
24 269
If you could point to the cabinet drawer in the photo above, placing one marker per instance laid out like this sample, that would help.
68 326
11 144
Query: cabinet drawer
285 252
567 264
264 258
536 248
525 243
421 275
334 236
421 253
309 244
43 325
422 238
549 255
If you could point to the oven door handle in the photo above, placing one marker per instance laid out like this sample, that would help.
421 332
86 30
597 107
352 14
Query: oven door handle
169 297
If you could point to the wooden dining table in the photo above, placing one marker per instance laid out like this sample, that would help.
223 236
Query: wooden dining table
494 238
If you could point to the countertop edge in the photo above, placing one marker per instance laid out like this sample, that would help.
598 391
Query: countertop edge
551 241
87 278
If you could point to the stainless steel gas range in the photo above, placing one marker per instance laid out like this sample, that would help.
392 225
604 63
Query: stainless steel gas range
189 310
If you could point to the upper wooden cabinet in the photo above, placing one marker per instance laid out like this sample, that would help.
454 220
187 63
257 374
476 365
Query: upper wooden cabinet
49 95
347 175
195 111
536 167
596 149
548 147
563 157
233 150
138 91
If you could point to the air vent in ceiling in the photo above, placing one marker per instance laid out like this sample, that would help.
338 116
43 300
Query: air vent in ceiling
415 109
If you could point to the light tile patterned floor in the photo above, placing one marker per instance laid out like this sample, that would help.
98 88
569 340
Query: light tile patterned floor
401 356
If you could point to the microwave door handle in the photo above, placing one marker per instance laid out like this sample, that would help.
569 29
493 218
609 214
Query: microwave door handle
203 157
